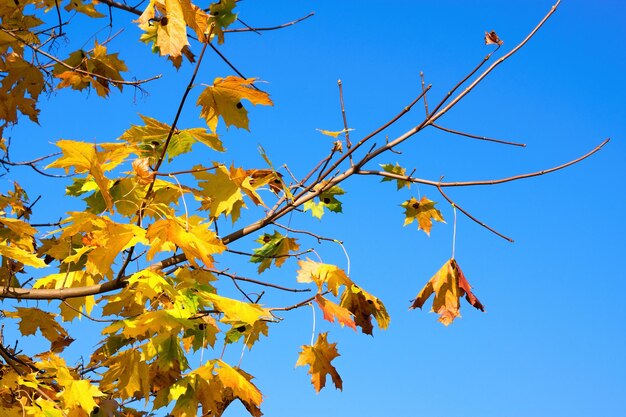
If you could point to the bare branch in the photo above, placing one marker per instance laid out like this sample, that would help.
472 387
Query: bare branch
457 132
121 6
472 217
284 25
485 182
343 116
493 66
257 282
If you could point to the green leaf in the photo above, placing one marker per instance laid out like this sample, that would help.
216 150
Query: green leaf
326 199
276 248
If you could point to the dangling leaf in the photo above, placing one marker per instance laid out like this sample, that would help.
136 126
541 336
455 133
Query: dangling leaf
333 311
331 275
319 357
364 306
449 285
423 211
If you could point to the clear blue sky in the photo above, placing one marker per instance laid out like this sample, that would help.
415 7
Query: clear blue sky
553 338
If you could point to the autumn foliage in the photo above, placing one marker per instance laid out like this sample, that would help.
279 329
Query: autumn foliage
139 254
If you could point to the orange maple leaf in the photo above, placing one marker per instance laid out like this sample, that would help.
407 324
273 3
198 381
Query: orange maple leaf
449 285
334 311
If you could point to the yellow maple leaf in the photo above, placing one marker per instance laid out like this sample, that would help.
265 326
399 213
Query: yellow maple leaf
20 255
20 87
319 357
239 383
165 23
224 97
79 393
33 319
333 134
364 305
236 311
84 157
449 285
423 211
103 240
127 373
223 191
331 275
194 238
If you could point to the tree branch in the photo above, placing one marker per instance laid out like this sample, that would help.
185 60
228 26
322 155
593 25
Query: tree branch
284 25
485 182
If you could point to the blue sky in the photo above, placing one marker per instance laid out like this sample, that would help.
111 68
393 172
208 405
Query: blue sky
553 338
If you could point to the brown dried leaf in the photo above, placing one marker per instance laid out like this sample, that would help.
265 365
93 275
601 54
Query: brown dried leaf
491 38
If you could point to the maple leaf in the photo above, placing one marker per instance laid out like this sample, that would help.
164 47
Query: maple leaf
334 134
33 319
449 285
331 275
423 211
151 138
239 382
85 8
276 248
223 190
269 177
333 311
236 311
172 30
98 70
84 157
21 255
104 239
165 24
364 305
20 88
79 393
319 357
224 97
127 373
222 16
398 170
325 199
194 238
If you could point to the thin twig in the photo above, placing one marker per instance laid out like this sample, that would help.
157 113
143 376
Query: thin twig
284 25
230 64
262 283
457 132
306 232
78 70
471 217
423 88
494 65
288 255
343 116
485 182
121 6
71 307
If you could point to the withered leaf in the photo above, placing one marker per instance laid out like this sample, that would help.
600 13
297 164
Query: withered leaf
491 38
449 285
